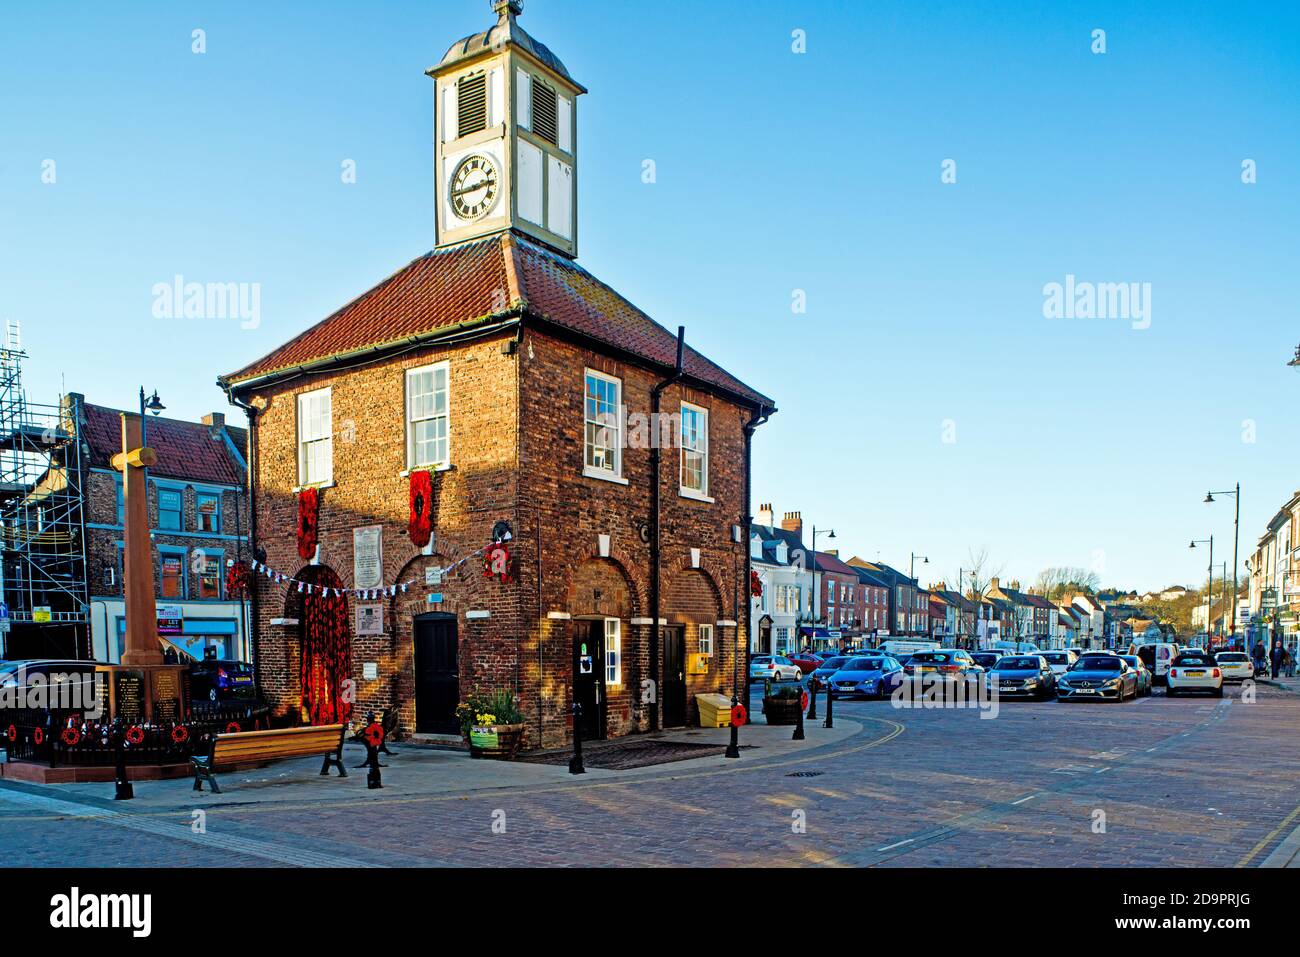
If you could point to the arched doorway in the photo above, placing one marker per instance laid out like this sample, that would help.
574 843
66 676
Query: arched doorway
763 639
325 637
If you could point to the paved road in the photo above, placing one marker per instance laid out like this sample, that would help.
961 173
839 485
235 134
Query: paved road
1197 782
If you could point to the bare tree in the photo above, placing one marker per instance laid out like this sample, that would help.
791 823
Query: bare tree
978 574
1062 581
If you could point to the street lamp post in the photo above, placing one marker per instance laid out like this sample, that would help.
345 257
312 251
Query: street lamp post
152 404
1236 530
1209 586
829 533
911 615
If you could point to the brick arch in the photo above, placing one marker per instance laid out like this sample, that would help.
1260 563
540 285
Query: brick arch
620 596
682 567
692 595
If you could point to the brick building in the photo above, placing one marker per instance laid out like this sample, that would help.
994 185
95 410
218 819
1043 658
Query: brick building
543 409
198 519
198 522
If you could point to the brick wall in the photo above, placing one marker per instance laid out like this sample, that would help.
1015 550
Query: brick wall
517 453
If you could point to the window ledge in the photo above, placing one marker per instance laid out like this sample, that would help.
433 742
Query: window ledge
603 476
694 495
406 473
321 486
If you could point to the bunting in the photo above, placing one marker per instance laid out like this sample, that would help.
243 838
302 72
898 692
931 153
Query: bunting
304 587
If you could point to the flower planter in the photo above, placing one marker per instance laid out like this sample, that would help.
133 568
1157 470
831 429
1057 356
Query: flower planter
496 742
782 710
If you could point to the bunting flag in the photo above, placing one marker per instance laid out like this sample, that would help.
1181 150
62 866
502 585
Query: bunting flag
500 563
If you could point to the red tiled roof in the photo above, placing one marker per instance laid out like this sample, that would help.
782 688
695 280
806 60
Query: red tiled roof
480 281
186 450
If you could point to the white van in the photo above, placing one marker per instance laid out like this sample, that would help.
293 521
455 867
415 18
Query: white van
901 647
1156 655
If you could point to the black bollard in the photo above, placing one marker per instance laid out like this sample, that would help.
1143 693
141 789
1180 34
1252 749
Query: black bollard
124 792
373 780
813 685
733 749
830 697
798 725
575 763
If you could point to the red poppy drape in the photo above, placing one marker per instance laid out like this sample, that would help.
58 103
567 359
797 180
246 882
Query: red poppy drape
421 524
326 661
308 523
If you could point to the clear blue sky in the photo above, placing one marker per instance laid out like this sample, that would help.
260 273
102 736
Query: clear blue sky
776 172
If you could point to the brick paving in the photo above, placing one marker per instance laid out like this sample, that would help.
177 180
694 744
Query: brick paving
1184 782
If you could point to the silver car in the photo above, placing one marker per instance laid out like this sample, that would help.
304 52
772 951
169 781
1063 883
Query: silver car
776 667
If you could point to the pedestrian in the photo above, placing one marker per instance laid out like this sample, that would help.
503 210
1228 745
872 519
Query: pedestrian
1257 656
1276 658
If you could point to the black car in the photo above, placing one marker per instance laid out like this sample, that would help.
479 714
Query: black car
222 680
986 659
1027 676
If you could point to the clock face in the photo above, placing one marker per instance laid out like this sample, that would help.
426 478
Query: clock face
475 186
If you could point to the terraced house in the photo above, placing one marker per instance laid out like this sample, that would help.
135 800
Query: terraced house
492 471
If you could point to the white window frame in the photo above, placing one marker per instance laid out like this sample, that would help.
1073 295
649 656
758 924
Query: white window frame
327 440
706 640
702 493
613 663
412 461
591 471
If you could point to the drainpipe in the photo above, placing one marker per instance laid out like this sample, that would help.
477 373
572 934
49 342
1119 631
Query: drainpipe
251 596
761 415
656 395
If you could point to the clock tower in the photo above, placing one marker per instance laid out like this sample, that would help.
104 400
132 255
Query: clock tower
506 138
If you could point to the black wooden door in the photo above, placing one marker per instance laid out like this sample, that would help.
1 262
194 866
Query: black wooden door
589 676
674 677
437 674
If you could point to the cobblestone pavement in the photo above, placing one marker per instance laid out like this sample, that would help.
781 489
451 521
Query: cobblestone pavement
1183 782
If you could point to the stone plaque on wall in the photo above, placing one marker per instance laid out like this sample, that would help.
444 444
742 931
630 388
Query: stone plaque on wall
368 557
166 696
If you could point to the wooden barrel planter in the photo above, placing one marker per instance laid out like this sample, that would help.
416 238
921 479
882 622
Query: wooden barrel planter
782 710
497 742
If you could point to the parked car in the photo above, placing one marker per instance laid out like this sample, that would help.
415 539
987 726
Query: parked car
1144 678
1029 676
828 668
218 679
1236 665
1095 677
951 664
1195 671
1061 661
776 667
986 659
808 662
871 677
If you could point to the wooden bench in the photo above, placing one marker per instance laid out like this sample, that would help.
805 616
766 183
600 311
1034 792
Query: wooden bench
260 747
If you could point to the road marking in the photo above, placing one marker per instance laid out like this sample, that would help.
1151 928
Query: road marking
1268 838
890 847
1024 799
280 854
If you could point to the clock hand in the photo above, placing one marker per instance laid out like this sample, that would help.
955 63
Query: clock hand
486 184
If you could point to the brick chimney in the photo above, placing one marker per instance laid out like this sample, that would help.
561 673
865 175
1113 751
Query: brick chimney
765 517
995 584
832 552
793 522
216 422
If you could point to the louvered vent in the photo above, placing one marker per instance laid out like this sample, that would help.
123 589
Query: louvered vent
546 122
472 104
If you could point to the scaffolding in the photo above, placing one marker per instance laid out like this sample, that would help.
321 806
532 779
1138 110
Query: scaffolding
42 521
